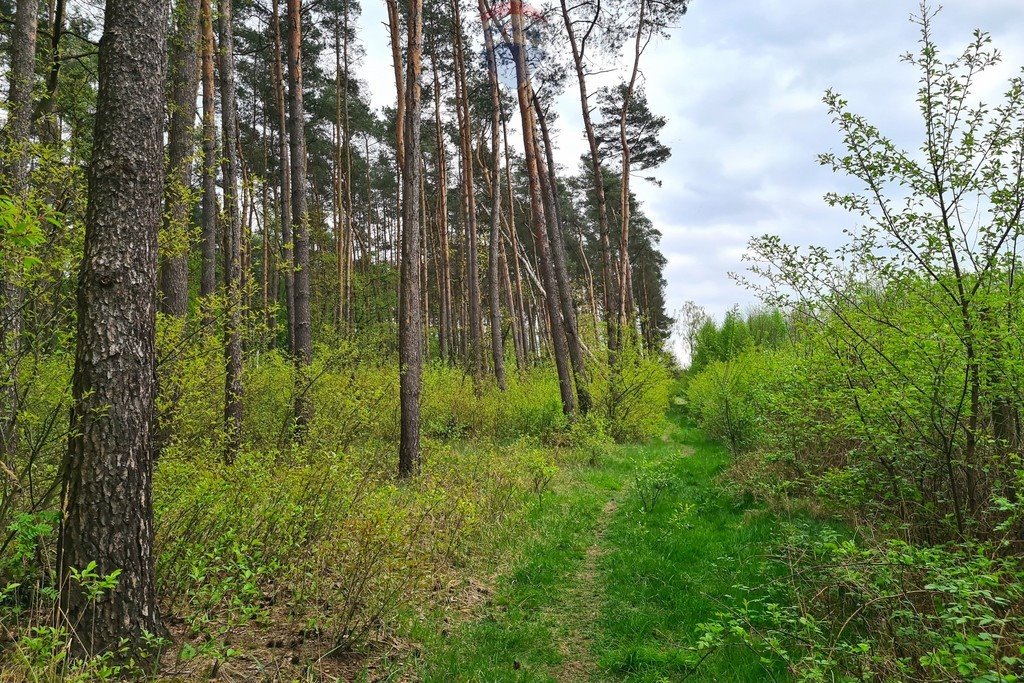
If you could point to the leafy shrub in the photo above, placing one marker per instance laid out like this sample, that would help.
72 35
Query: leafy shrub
725 399
890 611
632 400
653 480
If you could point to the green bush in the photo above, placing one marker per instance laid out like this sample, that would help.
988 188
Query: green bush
728 396
633 396
881 611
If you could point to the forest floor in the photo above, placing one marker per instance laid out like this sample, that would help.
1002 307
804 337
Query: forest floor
595 588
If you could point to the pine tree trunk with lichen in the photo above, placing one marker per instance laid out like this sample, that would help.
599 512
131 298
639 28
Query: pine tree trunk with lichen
107 476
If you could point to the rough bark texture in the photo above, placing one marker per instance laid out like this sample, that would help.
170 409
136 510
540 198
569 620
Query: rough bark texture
524 91
300 215
107 496
208 280
493 270
232 239
184 81
410 330
22 78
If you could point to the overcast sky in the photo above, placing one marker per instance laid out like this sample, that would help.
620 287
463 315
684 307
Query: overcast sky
741 85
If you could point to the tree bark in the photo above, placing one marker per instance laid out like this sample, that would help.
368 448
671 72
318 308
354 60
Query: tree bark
625 276
19 127
572 333
445 332
468 201
410 321
524 91
286 180
232 239
519 308
300 216
49 130
107 476
494 261
184 82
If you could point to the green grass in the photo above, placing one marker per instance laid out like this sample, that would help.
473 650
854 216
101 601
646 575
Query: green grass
598 589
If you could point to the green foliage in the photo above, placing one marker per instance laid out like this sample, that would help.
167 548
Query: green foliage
728 398
762 329
632 402
895 406
653 480
892 611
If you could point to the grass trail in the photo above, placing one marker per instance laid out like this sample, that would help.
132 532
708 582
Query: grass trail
601 590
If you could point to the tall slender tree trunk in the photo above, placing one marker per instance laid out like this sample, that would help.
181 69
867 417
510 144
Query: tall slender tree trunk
468 200
557 238
231 237
609 279
339 204
525 92
410 321
49 129
19 128
300 216
284 153
520 313
208 280
107 476
625 276
494 261
396 61
184 82
445 333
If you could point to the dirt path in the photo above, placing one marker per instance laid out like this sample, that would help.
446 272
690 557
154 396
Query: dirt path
581 608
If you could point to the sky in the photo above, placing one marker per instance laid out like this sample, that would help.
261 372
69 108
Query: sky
741 85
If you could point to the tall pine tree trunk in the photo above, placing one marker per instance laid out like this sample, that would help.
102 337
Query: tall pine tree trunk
49 128
300 216
572 334
184 81
284 154
208 280
410 319
494 261
19 128
468 201
609 279
231 238
625 274
445 332
525 92
107 492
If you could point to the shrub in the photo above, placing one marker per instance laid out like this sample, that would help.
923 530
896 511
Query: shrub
888 611
726 398
633 398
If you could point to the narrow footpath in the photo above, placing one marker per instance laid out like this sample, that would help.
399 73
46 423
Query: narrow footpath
606 590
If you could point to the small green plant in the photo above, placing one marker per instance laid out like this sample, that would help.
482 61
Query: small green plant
653 481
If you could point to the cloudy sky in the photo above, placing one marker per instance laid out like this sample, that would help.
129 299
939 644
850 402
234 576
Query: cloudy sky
741 85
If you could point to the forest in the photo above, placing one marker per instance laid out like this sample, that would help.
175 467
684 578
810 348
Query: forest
299 387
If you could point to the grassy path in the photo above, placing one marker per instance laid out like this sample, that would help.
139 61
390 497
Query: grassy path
602 590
